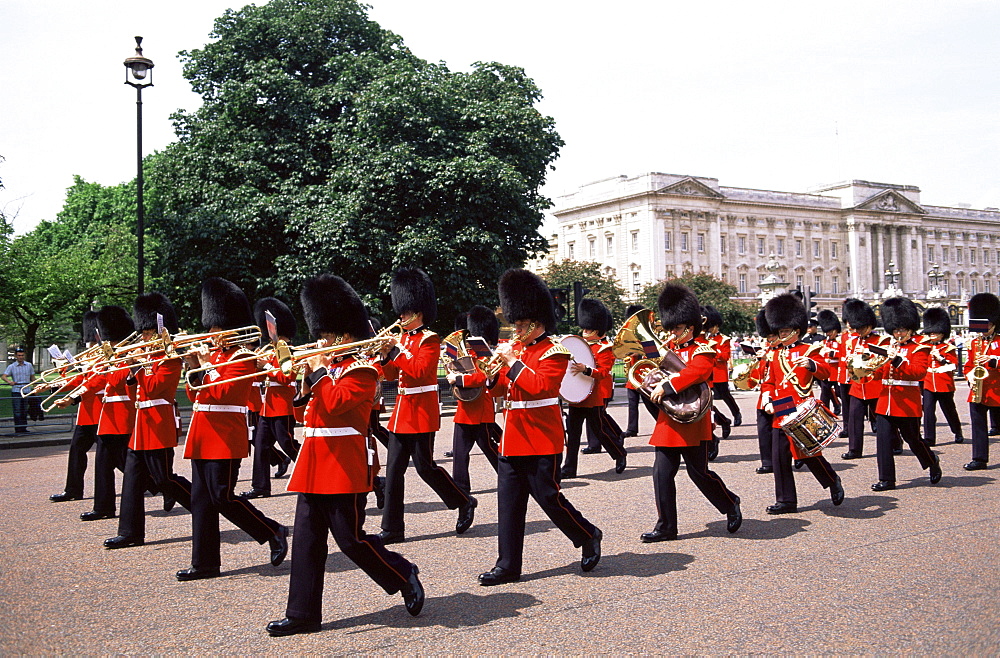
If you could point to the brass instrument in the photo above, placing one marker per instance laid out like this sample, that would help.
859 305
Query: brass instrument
463 364
365 347
741 374
281 350
496 363
979 373
863 363
642 327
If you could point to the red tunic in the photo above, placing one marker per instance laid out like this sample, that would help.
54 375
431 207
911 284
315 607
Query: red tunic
118 409
480 410
255 400
533 420
414 362
787 380
723 353
219 419
604 360
901 384
279 389
941 369
990 385
699 356
758 376
89 410
630 361
870 387
156 422
337 455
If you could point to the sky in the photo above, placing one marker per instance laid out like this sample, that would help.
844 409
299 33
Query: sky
769 95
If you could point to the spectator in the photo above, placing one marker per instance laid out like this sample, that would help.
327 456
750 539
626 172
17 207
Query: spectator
18 375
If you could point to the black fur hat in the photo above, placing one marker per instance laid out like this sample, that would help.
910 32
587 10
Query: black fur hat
284 320
412 290
900 313
786 312
678 305
857 313
828 321
483 322
937 321
461 321
985 306
712 316
374 321
331 306
633 309
90 327
763 329
593 314
147 306
224 305
524 296
114 323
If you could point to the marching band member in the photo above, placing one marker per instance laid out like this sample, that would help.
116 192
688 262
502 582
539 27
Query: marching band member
860 318
793 369
337 463
982 370
680 315
594 319
413 359
720 372
532 443
758 375
939 385
218 437
898 408
830 392
631 392
149 463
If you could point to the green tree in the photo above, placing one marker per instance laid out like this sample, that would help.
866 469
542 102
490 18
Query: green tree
737 316
564 273
323 144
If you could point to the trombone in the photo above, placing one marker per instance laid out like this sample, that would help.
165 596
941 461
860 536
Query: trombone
365 346
280 349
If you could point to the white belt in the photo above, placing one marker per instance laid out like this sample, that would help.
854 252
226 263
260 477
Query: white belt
945 368
330 431
232 408
900 382
98 392
145 404
418 389
270 383
530 404
117 398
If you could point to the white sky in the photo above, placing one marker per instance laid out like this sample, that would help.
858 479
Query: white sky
773 95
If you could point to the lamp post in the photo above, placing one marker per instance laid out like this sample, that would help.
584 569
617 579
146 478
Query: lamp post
891 277
139 74
935 295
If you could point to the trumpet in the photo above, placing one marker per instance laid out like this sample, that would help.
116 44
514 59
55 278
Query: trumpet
863 363
496 363
741 374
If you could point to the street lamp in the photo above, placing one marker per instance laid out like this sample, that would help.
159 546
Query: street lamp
891 277
139 74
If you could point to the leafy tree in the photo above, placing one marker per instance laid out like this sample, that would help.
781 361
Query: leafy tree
323 144
605 287
737 316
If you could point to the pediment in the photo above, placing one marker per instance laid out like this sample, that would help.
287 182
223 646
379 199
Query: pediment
690 187
891 201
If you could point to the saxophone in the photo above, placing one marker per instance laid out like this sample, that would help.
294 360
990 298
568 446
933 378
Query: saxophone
979 373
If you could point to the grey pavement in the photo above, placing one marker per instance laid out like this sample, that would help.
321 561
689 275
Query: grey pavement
914 570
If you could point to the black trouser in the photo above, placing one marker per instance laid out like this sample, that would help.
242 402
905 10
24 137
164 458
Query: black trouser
844 391
887 428
634 397
606 425
84 438
946 399
212 494
978 414
721 392
856 429
537 476
379 432
19 407
994 419
765 425
833 402
271 429
466 436
784 476
342 515
421 448
665 466
604 433
110 455
148 470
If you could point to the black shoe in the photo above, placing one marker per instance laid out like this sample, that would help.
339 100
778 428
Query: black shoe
590 451
566 474
95 516
280 473
931 443
621 463
449 453
255 493
197 574
466 514
851 454
413 593
797 464
63 497
897 451
959 439
837 491
279 546
629 434
995 431
727 429
734 519
123 542
591 551
379 487
935 470
288 626
842 435
498 576
737 419
713 450
654 536
390 537
168 503
883 485
782 508
762 470
975 465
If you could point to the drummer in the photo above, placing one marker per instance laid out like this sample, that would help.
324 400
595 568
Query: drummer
594 319
794 365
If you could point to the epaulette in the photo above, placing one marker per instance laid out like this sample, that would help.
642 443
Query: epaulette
722 338
425 334
922 347
243 351
359 364
605 346
947 348
557 348
704 348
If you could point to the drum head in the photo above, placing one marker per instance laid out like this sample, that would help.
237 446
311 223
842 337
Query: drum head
576 387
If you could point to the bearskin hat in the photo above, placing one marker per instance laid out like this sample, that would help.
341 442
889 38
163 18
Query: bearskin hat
90 327
147 306
483 322
712 316
412 290
524 296
678 305
763 329
224 305
857 313
786 312
114 323
461 321
937 321
593 314
633 309
284 320
828 321
331 306
374 322
900 313
985 306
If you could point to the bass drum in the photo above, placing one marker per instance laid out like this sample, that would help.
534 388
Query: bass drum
576 386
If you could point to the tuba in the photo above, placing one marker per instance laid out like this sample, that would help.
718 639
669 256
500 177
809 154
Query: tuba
741 374
978 374
463 364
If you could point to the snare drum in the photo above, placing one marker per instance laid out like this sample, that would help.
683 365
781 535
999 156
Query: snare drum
576 386
812 427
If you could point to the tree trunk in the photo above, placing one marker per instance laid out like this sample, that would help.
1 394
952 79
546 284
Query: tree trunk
30 336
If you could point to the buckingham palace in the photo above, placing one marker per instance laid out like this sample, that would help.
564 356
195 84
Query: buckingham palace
850 239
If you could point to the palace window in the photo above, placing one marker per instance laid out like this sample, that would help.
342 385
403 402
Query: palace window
722 244
973 287
741 245
817 280
742 287
760 246
684 241
816 249
570 251
930 253
798 248
944 254
667 240
781 246
972 256
592 248
798 281
958 254
986 285
835 285
609 245
833 250
635 240
701 243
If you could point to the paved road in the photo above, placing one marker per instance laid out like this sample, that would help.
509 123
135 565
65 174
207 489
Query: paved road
915 570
